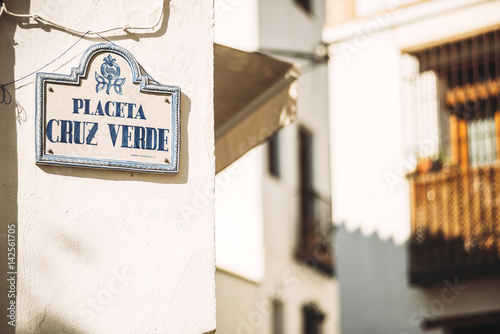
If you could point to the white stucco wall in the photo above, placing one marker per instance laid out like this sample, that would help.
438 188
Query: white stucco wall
237 23
111 251
369 7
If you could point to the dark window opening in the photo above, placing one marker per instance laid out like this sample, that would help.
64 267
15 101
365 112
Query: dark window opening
306 158
305 179
465 90
305 5
274 165
315 246
313 319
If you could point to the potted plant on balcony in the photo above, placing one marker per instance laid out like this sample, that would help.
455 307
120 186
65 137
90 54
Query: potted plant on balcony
429 164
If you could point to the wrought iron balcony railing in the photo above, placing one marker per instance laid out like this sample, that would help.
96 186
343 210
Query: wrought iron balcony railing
315 246
455 224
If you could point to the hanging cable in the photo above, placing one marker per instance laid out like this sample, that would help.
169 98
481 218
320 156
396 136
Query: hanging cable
5 96
42 20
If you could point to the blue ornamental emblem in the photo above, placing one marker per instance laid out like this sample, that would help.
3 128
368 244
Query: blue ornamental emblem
110 76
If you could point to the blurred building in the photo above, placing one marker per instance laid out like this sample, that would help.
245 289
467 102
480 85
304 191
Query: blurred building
414 90
273 214
105 250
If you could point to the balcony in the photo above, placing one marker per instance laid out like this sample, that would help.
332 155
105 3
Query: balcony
315 246
455 224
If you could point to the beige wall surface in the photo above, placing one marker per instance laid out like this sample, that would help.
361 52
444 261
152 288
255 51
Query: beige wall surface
101 251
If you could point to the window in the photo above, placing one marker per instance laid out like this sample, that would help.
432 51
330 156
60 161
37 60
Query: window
455 94
306 159
312 319
305 5
316 229
278 317
274 155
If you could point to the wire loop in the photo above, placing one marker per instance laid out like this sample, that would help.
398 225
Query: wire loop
124 28
5 96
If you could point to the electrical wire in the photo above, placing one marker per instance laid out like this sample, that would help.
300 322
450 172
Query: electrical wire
42 20
5 96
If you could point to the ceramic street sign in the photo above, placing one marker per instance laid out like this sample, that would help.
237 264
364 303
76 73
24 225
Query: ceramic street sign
107 114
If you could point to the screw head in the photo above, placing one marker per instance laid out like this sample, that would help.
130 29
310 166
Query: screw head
51 90
167 100
50 151
167 161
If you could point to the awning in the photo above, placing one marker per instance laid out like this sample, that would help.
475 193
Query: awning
255 96
489 322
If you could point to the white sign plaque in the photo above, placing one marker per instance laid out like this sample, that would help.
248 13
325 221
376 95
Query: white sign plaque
107 114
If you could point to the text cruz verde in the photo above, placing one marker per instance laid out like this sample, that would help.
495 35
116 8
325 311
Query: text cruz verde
132 136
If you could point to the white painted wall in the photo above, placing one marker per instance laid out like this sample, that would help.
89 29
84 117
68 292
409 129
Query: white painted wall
257 214
237 23
140 246
369 125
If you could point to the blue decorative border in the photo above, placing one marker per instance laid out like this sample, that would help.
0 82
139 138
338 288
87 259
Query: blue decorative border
144 86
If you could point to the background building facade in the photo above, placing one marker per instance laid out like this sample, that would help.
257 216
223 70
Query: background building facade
414 103
274 232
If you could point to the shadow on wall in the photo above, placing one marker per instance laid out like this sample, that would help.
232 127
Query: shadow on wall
377 298
9 110
51 324
372 281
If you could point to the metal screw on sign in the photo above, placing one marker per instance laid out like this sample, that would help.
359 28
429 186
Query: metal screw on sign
167 100
167 161
50 151
51 90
